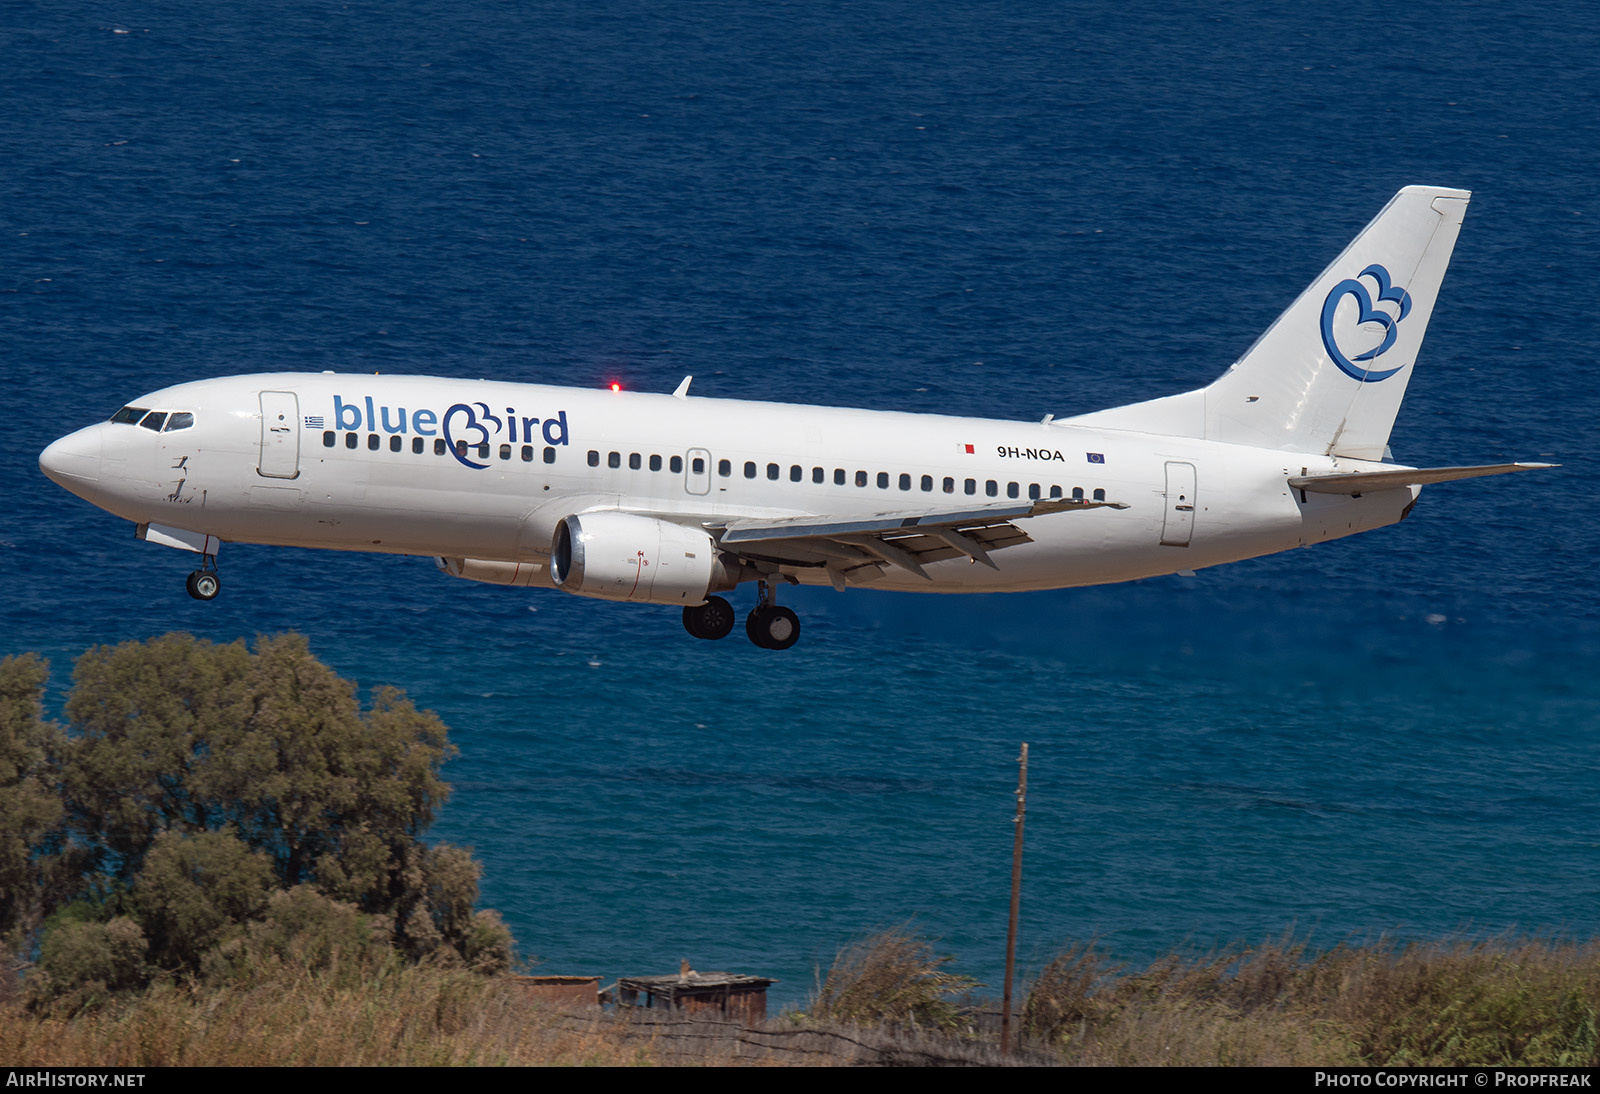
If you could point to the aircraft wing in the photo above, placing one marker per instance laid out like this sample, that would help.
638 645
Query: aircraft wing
853 548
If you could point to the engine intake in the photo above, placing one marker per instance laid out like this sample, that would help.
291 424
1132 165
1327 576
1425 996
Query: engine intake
621 556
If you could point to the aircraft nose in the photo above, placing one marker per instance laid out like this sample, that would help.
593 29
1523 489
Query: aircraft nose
74 461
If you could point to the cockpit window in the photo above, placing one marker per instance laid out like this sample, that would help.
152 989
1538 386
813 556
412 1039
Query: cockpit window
181 420
155 420
128 415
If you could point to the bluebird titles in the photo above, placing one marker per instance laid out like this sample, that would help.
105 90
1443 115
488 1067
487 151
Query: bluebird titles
472 423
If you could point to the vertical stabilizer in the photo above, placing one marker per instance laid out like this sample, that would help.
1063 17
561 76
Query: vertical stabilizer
1329 374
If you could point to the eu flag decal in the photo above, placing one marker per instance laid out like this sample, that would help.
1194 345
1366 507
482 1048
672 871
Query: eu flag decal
1096 457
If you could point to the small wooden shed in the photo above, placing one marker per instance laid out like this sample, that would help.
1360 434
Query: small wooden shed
727 995
563 991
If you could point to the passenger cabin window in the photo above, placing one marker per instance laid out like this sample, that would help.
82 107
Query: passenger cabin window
329 438
130 415
749 469
818 475
1033 490
796 473
614 459
505 452
350 440
971 486
549 455
724 468
439 447
1055 491
1077 493
155 420
905 481
773 471
699 464
838 476
861 478
395 442
675 465
418 445
883 480
1099 495
634 463
594 458
655 462
949 485
991 488
527 453
372 442
1011 490
461 448
927 482
181 420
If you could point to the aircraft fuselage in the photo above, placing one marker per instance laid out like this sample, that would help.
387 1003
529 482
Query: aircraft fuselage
483 470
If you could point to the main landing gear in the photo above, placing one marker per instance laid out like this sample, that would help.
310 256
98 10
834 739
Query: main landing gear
769 626
204 584
711 620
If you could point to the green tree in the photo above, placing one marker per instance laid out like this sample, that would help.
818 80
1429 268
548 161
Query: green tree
29 805
199 779
195 890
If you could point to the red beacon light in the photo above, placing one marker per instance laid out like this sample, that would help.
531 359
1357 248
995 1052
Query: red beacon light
615 386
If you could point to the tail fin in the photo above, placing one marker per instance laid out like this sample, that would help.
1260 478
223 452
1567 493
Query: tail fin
1329 374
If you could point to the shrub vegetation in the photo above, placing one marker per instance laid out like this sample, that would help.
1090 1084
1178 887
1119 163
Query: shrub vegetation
1485 1003
207 806
892 978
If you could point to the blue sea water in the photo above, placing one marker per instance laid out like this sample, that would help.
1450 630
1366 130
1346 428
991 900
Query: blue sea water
989 208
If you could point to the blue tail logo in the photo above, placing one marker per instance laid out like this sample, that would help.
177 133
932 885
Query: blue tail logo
1367 312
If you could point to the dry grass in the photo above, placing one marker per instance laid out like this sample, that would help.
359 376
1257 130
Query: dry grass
891 979
1463 1003
420 1016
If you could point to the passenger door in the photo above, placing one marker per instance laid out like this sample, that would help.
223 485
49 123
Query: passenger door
280 435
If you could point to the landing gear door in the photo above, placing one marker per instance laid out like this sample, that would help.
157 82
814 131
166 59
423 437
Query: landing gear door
1178 523
280 435
697 471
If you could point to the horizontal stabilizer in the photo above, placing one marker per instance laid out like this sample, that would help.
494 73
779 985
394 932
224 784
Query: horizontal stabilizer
1363 482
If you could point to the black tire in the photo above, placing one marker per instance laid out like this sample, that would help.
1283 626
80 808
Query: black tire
774 628
712 620
204 584
753 628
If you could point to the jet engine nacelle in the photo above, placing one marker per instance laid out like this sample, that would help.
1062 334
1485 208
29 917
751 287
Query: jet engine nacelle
519 574
620 556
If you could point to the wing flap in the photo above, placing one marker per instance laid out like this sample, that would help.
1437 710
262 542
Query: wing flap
863 547
903 521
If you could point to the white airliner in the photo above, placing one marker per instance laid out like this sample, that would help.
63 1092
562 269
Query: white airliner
671 499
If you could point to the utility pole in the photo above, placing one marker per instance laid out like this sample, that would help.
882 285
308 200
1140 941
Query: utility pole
1016 898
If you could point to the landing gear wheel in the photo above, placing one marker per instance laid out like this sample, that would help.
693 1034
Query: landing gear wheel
204 584
772 627
711 620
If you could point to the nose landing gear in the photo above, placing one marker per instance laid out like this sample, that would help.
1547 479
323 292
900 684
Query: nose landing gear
204 584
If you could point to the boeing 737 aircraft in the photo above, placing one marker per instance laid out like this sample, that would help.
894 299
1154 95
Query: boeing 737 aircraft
673 499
